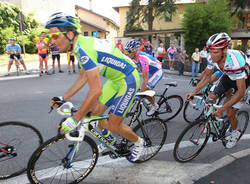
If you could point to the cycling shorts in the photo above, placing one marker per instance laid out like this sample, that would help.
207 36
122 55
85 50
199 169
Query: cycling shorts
119 94
56 56
154 78
43 57
13 56
171 57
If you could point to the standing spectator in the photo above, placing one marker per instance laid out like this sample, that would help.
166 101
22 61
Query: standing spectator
196 58
248 53
142 45
14 52
55 55
204 55
43 55
45 39
181 61
71 59
148 48
160 52
171 53
119 45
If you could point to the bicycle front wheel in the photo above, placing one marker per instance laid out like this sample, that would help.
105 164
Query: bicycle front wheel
154 133
191 141
53 161
169 107
17 142
194 109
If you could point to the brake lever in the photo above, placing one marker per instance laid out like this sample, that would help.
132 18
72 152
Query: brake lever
51 109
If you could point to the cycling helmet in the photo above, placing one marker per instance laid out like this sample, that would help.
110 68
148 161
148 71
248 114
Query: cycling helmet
218 41
12 39
132 45
61 19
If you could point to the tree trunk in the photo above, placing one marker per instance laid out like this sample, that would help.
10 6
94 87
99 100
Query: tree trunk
150 19
244 44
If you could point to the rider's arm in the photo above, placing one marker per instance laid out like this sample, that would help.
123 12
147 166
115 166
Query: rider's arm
241 86
79 83
206 79
145 81
95 91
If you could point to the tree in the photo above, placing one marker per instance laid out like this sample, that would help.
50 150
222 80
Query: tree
203 20
9 26
238 5
154 8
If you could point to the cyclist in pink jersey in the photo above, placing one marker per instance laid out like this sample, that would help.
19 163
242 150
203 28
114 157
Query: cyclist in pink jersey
150 67
171 52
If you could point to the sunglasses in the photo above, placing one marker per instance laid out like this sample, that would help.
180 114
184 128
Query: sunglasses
56 35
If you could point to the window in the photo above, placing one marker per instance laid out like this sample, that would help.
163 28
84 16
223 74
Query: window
94 33
86 33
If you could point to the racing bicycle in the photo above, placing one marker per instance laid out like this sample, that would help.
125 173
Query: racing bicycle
17 141
71 157
169 106
195 136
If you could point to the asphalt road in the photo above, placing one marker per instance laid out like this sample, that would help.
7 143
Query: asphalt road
28 100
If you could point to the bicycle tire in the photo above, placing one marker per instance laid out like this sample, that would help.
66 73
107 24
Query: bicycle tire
165 108
22 138
242 125
184 144
191 113
154 142
43 168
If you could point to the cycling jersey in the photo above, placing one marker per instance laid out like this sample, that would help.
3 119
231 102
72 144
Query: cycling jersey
41 48
92 52
171 51
13 48
236 65
147 63
123 80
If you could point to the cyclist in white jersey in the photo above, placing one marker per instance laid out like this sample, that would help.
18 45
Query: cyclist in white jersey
150 67
235 67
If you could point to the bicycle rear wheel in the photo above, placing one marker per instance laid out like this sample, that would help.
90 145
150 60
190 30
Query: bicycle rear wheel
48 164
243 118
155 135
17 142
169 107
191 141
194 109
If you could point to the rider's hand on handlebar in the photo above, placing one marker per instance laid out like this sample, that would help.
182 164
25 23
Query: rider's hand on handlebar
69 124
57 101
190 96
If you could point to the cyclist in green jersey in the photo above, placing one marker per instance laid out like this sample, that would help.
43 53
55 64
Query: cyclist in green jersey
95 57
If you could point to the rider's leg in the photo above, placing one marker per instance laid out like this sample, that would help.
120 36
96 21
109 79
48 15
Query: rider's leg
24 66
9 65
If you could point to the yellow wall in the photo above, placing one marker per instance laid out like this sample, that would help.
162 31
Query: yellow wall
158 24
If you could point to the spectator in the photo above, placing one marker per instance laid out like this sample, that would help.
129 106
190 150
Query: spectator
171 53
119 45
196 58
43 55
160 52
45 39
148 48
71 59
248 53
181 61
204 55
142 45
55 55
14 52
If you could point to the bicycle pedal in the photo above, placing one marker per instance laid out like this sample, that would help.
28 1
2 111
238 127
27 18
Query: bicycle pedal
106 153
125 153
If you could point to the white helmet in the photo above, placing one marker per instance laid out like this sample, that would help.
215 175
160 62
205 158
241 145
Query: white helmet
218 41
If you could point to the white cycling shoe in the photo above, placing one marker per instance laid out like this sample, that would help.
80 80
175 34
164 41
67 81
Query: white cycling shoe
137 151
152 109
232 139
